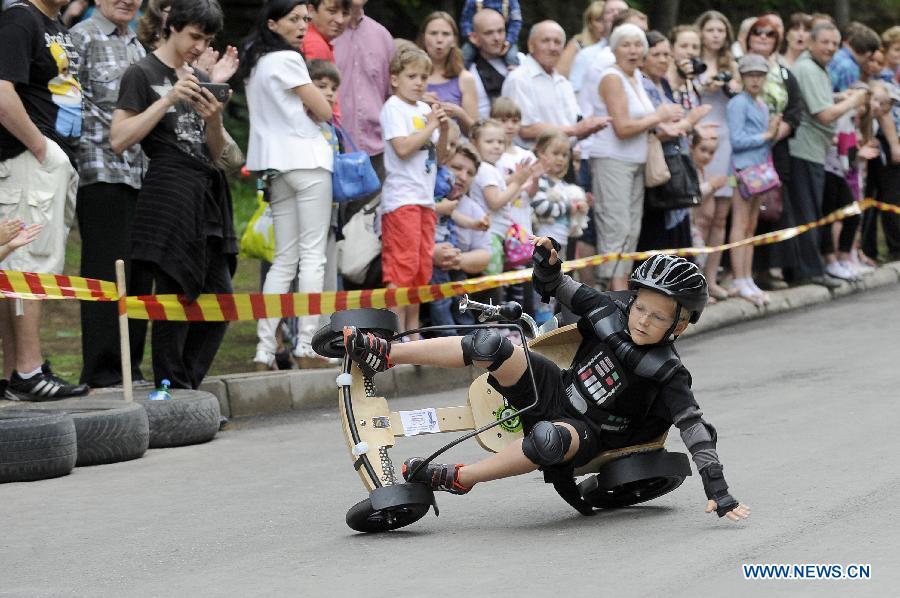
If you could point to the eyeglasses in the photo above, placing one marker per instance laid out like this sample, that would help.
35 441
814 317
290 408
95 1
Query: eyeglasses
764 33
657 320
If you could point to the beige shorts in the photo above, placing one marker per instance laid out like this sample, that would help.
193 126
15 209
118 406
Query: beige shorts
44 193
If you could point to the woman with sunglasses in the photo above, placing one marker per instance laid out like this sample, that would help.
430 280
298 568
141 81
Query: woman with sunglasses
782 96
286 141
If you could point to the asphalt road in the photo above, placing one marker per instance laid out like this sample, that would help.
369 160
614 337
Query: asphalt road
806 409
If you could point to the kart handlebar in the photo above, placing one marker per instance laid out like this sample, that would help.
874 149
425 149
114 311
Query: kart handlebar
510 311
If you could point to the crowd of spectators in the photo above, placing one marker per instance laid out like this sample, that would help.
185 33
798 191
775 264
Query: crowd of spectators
622 138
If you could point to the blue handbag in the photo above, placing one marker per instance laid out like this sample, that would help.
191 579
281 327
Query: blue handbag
443 182
353 176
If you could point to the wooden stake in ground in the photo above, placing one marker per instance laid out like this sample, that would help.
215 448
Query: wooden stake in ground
124 343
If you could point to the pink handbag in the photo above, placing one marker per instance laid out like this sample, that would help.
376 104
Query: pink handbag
516 247
757 179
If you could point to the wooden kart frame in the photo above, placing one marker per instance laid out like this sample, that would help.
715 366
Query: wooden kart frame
376 426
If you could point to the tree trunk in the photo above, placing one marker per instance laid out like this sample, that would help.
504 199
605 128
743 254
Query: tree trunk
842 13
664 15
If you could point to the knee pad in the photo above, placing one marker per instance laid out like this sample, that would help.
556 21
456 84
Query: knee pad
486 344
547 443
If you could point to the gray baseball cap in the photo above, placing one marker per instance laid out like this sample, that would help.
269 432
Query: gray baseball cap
753 63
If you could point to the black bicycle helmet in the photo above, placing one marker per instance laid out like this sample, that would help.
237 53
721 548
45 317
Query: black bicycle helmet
674 277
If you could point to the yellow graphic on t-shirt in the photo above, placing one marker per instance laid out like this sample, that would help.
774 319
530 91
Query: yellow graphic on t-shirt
66 92
64 84
418 123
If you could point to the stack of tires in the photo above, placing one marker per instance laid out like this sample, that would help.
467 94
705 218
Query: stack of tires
47 440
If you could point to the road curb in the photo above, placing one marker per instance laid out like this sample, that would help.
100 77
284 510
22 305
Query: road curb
266 393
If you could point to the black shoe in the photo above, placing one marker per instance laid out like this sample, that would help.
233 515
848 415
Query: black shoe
436 475
825 281
370 353
45 386
768 282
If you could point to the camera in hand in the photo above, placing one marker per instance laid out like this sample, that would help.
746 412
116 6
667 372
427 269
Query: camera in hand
698 67
724 76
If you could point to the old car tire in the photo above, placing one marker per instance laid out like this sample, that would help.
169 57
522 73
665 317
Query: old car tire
189 417
329 340
107 430
35 445
635 479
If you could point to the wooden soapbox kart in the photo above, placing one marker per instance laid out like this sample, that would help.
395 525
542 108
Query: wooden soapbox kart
616 478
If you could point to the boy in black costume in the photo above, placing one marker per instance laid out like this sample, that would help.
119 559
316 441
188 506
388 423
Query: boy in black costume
626 384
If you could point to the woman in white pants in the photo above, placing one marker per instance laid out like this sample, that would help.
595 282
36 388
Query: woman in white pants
284 138
618 153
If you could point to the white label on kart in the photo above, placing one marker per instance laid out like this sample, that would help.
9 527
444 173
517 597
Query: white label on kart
420 421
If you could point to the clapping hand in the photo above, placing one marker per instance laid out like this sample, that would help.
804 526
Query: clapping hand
225 67
9 229
24 236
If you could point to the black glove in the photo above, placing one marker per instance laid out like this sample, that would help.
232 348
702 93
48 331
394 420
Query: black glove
717 489
546 277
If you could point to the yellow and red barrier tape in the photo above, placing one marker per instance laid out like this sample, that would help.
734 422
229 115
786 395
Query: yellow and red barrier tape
256 306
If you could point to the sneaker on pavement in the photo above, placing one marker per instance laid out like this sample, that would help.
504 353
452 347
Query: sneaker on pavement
45 386
836 270
436 475
369 352
857 268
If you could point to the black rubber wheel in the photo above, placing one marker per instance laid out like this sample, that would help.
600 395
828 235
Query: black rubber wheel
189 417
363 518
35 445
390 507
107 430
329 340
635 479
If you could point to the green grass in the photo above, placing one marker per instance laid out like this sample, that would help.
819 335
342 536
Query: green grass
61 324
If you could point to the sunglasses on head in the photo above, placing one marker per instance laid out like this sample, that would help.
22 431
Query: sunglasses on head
764 33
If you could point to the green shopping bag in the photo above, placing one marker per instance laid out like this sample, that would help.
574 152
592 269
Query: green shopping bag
258 240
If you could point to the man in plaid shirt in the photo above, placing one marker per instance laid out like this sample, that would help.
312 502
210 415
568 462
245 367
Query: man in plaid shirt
109 184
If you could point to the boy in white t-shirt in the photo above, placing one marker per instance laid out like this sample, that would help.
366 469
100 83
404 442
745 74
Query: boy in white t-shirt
415 138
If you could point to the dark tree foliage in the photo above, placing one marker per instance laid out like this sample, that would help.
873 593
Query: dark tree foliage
401 17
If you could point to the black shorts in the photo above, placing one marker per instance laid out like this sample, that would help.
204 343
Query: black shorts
553 404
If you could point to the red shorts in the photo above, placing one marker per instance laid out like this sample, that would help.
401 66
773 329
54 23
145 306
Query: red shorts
407 245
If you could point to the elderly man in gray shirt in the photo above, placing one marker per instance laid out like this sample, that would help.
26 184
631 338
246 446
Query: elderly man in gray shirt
810 144
109 184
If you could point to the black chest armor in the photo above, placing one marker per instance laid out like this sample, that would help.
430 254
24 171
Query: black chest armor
612 380
609 322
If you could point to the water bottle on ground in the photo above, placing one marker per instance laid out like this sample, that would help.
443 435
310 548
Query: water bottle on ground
161 393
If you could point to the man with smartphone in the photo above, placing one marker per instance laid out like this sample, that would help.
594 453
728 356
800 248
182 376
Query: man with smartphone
183 236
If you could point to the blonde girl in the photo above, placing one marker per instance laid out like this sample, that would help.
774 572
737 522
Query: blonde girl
560 209
491 190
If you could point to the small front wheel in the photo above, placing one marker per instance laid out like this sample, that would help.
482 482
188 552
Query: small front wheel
391 507
362 517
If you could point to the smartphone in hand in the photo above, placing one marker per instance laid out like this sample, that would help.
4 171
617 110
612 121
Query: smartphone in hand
219 90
